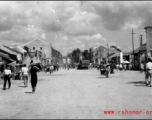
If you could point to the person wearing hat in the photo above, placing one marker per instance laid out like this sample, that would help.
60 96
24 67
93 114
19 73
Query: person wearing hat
7 73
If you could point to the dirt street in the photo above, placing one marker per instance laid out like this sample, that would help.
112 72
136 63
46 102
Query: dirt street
78 94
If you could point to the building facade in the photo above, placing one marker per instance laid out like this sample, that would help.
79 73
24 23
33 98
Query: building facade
99 54
56 56
39 51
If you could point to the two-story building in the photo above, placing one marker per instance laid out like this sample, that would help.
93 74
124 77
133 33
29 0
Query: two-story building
39 50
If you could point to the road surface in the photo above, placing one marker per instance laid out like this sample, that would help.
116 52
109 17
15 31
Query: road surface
78 94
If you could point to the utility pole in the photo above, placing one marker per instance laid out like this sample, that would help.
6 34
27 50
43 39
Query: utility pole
133 47
140 53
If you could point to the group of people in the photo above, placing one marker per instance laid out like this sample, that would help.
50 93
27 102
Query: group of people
51 68
122 66
27 72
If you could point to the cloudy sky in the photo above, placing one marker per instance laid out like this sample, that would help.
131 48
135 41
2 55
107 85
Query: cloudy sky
75 24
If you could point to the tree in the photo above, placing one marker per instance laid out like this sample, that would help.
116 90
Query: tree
86 54
75 55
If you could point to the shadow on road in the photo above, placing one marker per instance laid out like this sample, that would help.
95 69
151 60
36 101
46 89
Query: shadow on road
57 75
29 92
137 82
140 85
102 77
21 86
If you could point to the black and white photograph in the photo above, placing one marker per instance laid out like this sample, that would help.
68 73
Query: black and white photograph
75 59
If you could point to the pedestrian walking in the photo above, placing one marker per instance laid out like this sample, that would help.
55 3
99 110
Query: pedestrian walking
124 67
57 66
148 73
25 74
120 66
33 72
51 69
117 67
130 66
7 76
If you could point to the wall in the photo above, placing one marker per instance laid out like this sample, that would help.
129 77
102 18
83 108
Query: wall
149 40
46 48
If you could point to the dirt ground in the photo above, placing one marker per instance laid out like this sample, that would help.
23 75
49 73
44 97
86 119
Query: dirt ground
78 94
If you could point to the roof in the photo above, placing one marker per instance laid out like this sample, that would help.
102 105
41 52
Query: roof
5 49
117 54
33 41
114 55
18 49
142 48
126 53
111 54
148 27
4 55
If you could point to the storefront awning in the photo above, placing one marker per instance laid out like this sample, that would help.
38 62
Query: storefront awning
12 60
7 50
4 55
12 63
115 55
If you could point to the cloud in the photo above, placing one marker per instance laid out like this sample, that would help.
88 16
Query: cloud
65 38
80 24
71 23
114 15
43 36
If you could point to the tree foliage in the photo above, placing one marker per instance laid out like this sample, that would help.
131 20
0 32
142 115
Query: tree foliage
75 55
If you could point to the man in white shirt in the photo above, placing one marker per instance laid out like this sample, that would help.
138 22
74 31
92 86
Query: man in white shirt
7 73
148 72
25 74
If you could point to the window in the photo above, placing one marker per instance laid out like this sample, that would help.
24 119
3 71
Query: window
33 48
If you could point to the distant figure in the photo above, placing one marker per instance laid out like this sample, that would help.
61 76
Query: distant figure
130 66
33 71
120 66
7 75
25 74
141 67
124 67
57 67
51 69
117 67
112 68
148 72
67 67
